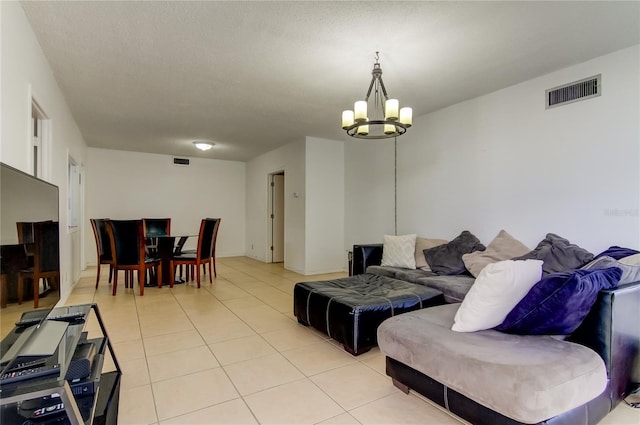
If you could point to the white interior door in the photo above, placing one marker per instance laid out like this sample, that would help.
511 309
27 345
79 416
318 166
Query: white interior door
277 218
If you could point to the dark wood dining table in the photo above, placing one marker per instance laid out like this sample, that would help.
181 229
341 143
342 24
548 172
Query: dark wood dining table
167 247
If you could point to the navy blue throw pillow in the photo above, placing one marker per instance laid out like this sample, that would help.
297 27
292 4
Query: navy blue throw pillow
618 252
559 302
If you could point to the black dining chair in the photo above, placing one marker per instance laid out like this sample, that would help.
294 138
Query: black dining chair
154 227
4 290
203 253
46 261
128 244
25 238
213 254
103 246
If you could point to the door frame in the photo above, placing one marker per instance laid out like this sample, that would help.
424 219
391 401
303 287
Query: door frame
269 245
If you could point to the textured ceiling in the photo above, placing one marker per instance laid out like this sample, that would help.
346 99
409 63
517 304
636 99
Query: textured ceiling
252 76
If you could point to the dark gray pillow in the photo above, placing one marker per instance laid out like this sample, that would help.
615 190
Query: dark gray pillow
447 259
558 255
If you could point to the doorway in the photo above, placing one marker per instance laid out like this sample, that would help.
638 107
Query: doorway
75 203
40 136
276 216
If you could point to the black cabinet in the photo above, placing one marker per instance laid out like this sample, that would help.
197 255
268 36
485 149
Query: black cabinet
70 396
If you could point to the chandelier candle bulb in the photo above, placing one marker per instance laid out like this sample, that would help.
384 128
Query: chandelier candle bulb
389 129
391 110
363 130
347 119
360 109
406 116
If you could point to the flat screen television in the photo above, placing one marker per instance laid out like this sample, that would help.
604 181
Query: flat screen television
23 199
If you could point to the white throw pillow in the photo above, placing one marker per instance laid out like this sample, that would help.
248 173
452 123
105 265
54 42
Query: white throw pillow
496 291
398 251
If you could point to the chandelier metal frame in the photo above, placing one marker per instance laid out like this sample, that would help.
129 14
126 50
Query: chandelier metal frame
385 125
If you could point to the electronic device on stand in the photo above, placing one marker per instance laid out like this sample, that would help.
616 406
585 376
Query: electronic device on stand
55 375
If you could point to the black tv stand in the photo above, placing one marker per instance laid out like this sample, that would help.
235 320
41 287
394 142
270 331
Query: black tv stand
34 396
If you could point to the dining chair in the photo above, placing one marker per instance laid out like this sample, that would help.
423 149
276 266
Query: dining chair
213 246
128 244
213 254
4 290
103 246
46 261
25 238
154 227
204 251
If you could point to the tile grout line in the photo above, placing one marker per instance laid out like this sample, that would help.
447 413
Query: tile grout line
146 360
240 396
304 376
260 334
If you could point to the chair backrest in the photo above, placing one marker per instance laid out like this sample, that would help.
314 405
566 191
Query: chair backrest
26 237
215 236
46 240
156 227
103 241
127 241
206 237
25 232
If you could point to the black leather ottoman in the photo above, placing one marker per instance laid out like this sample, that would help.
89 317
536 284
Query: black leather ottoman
350 309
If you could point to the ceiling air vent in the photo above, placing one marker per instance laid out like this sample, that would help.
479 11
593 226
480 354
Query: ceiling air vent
574 92
180 161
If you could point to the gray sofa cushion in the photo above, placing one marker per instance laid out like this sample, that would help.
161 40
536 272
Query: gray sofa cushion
413 276
454 288
408 275
532 377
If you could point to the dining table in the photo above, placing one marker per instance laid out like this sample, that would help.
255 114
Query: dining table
167 247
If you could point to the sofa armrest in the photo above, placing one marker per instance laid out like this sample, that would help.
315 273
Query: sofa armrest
612 329
365 256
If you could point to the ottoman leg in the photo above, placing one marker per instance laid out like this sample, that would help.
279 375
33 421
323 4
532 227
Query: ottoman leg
353 352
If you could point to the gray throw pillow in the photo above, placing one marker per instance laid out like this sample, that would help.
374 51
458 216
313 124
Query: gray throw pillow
421 245
446 259
502 247
630 273
558 255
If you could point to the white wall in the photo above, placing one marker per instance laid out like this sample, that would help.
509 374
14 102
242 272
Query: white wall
369 183
127 185
324 236
314 219
290 159
25 74
503 161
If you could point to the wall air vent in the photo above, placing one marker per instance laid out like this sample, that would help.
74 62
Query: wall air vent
574 92
180 161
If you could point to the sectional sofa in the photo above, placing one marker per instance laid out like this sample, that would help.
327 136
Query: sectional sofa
493 376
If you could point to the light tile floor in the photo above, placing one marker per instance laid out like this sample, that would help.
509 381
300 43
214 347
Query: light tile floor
233 353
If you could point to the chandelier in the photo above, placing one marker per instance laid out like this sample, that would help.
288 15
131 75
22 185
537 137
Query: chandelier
385 119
